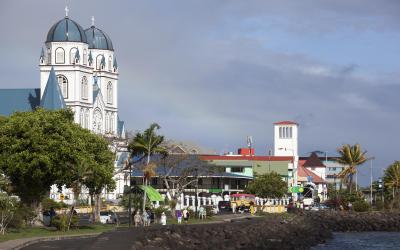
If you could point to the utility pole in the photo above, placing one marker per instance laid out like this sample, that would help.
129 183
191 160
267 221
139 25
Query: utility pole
370 160
130 195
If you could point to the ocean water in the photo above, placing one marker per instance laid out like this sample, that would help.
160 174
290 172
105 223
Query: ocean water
364 240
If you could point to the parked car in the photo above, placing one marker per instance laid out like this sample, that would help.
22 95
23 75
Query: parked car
224 206
108 217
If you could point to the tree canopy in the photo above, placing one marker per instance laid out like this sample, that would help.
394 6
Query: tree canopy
268 185
42 148
391 179
351 156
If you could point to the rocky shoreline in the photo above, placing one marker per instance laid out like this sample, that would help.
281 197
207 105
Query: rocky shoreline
300 231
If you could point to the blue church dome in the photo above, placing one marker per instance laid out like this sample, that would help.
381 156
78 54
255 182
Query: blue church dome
97 39
66 30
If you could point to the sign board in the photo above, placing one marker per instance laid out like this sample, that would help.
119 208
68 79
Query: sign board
62 196
296 189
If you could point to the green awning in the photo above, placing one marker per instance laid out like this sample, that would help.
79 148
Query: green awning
152 194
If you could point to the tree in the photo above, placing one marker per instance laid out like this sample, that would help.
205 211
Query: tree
351 156
144 145
42 148
268 185
177 172
391 179
8 208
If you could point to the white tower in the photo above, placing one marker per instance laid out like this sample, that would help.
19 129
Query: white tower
286 138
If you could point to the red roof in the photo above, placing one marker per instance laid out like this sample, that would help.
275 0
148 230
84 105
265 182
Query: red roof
246 157
303 172
286 123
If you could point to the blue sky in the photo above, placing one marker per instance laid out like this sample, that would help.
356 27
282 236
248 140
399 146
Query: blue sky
213 72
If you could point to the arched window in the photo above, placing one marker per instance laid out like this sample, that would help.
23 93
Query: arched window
86 119
84 57
60 55
109 63
98 62
112 123
48 56
82 118
84 88
109 93
63 82
107 125
72 55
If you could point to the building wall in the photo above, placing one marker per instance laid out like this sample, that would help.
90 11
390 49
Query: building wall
286 141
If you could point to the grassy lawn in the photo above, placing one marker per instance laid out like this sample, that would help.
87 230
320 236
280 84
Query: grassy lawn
13 234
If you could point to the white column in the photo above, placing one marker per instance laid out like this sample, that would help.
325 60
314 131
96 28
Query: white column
182 201
204 201
193 202
187 200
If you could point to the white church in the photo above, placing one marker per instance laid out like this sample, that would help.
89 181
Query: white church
78 70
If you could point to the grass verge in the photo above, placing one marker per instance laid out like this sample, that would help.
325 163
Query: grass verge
14 234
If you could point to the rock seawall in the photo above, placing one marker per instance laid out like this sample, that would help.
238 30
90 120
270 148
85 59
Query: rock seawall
271 232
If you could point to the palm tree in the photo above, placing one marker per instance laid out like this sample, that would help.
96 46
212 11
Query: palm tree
144 145
351 156
392 178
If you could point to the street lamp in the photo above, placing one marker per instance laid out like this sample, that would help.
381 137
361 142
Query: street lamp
294 172
370 161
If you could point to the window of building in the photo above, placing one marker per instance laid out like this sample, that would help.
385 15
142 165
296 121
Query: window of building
237 169
285 132
82 118
84 57
154 181
72 54
60 55
109 93
107 124
112 123
109 63
87 119
48 56
63 82
84 88
98 62
200 181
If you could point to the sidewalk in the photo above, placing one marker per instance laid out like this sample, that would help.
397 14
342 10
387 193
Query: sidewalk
20 243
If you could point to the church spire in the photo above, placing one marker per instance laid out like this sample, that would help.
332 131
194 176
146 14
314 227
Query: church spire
92 21
52 98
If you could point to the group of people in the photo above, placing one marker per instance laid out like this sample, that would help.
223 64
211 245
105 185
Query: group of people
182 214
143 220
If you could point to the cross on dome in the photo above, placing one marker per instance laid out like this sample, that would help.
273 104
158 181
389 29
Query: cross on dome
66 10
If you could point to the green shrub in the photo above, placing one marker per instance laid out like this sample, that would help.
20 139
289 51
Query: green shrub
61 222
209 211
361 206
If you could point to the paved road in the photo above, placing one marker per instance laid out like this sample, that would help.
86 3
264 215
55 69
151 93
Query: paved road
121 238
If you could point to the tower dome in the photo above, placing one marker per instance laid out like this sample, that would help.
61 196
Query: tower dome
98 39
66 30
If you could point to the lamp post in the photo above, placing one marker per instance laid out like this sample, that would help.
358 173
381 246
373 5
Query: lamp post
130 195
370 164
294 172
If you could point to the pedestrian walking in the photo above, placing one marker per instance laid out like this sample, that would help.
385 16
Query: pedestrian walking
252 209
179 216
137 219
186 215
234 207
163 219
146 219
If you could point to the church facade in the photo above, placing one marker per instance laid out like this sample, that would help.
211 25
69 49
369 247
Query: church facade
86 70
78 70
